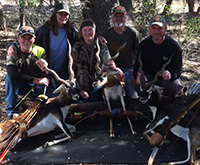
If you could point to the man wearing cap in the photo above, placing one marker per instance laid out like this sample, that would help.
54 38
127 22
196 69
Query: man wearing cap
25 66
115 37
155 51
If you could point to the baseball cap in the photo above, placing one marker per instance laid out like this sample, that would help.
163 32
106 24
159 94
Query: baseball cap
61 7
119 9
26 30
158 20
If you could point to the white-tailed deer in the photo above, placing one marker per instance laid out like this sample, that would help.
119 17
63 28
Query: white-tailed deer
179 115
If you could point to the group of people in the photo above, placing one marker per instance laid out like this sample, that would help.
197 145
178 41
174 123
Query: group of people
48 46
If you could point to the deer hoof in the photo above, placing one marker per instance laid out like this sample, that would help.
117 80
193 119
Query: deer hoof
46 145
112 136
70 138
134 133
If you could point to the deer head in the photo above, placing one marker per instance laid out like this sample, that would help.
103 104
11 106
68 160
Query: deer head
68 85
102 75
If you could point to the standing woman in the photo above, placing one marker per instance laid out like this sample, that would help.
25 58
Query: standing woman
53 37
87 52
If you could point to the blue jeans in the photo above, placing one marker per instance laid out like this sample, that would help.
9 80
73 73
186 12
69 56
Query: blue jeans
128 73
94 96
14 88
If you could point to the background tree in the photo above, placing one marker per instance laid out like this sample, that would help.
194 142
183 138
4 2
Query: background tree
2 19
128 5
21 12
99 11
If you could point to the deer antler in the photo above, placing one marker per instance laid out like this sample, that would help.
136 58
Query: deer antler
57 78
118 51
98 58
148 84
159 72
99 70
115 56
71 72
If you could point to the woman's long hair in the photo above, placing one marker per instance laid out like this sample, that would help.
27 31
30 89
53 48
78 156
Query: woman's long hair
52 23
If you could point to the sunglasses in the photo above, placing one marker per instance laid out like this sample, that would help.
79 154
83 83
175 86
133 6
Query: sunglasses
28 31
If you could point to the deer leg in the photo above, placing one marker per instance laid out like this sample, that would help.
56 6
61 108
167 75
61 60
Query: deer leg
67 129
154 124
47 144
131 126
124 109
146 131
112 134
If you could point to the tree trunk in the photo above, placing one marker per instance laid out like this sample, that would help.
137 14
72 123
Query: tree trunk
129 8
99 11
127 4
22 16
2 19
190 6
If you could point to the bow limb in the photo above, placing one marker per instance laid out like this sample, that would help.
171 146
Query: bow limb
157 141
153 155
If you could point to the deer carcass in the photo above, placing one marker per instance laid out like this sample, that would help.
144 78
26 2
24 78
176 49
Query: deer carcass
40 117
165 108
112 89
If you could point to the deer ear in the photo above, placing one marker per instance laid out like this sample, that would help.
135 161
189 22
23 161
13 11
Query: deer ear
58 90
184 90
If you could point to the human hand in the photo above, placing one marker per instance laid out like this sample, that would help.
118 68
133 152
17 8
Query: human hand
41 81
84 94
12 51
112 64
102 39
42 64
138 79
120 75
166 75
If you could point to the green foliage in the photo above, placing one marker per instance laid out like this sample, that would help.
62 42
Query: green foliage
193 25
143 10
23 3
